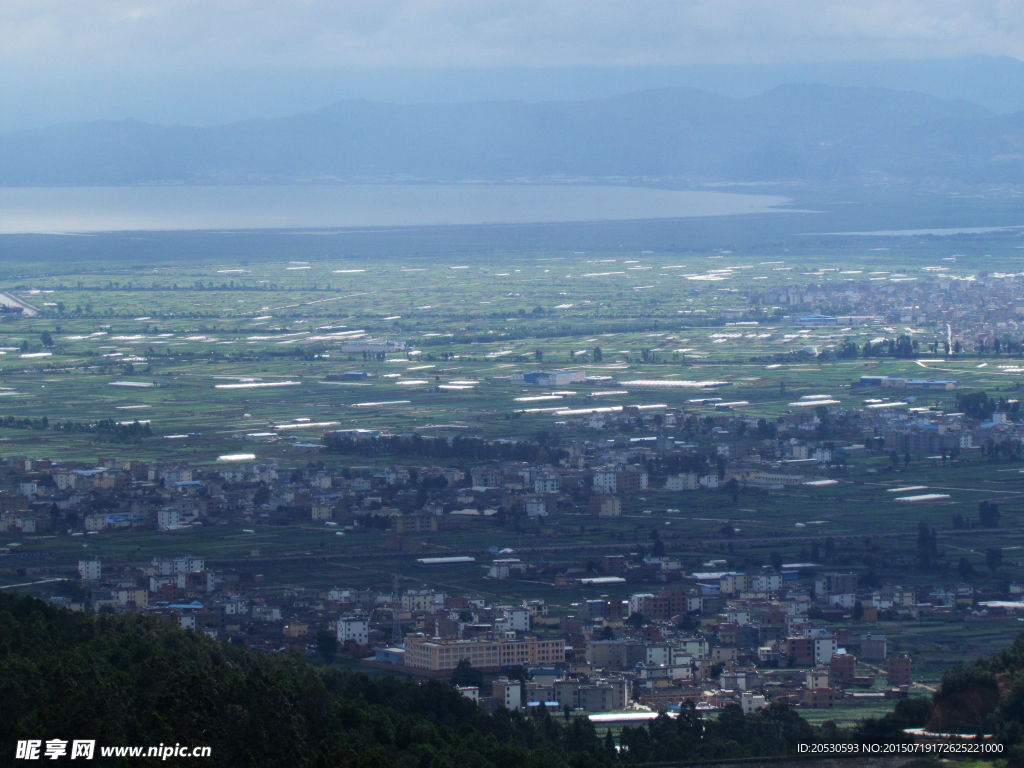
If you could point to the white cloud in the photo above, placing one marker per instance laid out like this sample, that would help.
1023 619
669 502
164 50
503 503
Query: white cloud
179 35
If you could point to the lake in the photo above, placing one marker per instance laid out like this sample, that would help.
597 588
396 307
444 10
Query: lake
111 209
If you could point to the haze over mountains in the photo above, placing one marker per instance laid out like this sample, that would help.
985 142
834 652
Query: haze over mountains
791 132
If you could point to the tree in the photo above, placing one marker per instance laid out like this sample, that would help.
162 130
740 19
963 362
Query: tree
47 339
903 347
993 558
518 672
975 405
326 646
539 356
733 489
688 623
776 559
636 620
465 675
847 350
988 514
965 695
261 496
609 745
597 355
858 610
965 569
927 546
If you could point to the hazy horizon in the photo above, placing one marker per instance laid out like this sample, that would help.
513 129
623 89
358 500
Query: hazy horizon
201 64
198 100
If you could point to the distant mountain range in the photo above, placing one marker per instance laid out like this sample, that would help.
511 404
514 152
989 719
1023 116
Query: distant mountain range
788 133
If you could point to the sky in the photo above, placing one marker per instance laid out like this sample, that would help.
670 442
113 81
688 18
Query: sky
178 61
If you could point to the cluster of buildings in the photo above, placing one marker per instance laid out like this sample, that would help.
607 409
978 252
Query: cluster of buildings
978 310
701 448
793 634
731 638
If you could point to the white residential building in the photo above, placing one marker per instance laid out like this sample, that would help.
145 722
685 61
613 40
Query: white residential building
168 518
354 628
825 647
507 568
189 564
605 482
514 620
752 702
636 602
687 482
169 476
843 601
424 600
89 570
548 483
766 582
508 692
738 617
65 481
659 655
536 507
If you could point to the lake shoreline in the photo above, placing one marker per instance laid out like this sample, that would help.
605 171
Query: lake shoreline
82 210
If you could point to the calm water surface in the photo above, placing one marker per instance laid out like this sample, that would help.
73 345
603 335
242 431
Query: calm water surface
105 209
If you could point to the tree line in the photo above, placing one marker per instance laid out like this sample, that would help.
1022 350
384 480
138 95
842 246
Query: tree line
104 430
442 449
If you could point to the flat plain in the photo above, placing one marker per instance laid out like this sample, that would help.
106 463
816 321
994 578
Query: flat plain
245 356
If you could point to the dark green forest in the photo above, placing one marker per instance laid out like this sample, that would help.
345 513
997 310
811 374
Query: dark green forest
129 680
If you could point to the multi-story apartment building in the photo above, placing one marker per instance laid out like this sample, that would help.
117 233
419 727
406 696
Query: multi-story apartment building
437 655
355 629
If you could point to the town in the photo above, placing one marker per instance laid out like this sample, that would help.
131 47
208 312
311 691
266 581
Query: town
661 628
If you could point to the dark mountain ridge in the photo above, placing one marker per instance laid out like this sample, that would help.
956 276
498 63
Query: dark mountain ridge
788 133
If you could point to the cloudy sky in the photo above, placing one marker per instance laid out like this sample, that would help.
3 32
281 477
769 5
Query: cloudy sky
182 61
